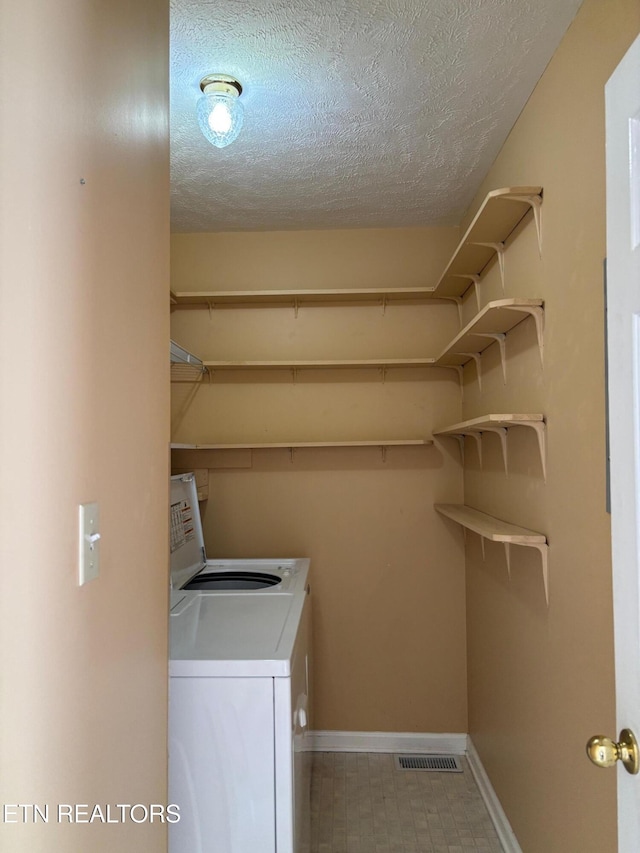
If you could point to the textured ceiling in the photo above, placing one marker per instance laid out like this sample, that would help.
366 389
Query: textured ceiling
358 113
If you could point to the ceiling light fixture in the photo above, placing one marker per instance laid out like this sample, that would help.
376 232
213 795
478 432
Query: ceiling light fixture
220 112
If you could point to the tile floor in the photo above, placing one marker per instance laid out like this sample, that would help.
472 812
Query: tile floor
361 804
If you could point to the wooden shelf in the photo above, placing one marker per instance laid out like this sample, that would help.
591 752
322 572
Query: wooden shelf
498 216
489 527
499 424
295 298
496 530
401 442
491 324
336 364
292 446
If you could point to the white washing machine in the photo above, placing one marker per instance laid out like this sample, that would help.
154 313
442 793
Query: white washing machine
239 765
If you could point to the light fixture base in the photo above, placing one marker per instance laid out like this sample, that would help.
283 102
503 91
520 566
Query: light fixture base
220 83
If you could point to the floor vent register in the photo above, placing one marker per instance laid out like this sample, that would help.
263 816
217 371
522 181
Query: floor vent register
434 763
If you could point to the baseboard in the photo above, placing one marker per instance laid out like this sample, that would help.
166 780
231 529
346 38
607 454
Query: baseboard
496 812
388 742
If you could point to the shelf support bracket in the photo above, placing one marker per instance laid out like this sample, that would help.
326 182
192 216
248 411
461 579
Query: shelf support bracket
543 548
540 429
482 545
210 306
292 453
459 368
544 556
498 248
537 312
460 439
536 203
475 434
501 432
475 280
507 556
501 338
476 357
384 304
296 306
383 451
458 301
294 374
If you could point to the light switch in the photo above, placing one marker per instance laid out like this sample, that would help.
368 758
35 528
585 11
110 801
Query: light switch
89 543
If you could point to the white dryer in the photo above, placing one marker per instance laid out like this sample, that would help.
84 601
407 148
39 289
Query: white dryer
239 765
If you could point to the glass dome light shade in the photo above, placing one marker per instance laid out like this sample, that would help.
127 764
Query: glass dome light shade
220 116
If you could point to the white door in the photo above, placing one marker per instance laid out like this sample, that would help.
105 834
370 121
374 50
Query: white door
623 285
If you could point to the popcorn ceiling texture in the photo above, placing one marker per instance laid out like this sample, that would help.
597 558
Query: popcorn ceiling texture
358 113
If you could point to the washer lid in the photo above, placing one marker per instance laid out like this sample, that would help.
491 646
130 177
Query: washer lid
185 530
242 635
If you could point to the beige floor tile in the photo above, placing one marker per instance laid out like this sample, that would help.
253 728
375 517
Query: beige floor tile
360 803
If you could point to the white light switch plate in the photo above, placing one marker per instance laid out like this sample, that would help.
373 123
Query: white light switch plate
89 543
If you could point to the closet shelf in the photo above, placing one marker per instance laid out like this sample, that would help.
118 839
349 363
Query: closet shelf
379 363
213 298
498 216
498 424
492 324
401 442
292 446
489 527
497 530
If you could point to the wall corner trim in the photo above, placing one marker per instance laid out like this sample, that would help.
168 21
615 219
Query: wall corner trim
496 812
420 742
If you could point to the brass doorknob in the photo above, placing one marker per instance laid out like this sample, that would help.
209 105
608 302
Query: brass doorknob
605 752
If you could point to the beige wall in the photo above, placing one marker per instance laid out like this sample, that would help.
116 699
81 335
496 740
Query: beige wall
372 257
541 679
388 575
84 414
